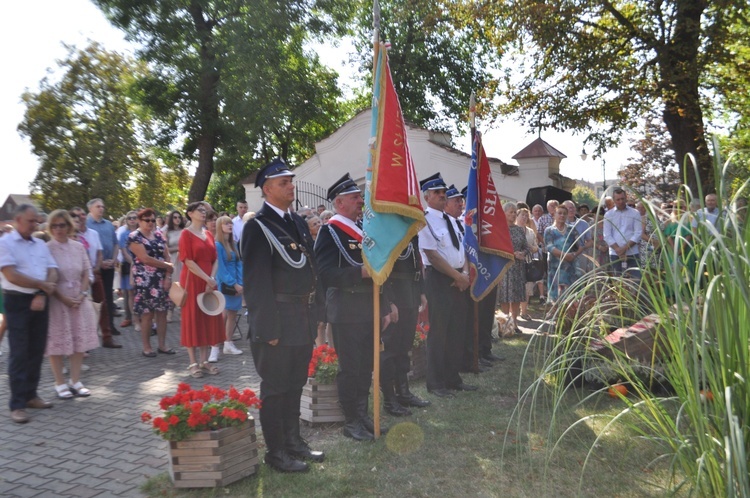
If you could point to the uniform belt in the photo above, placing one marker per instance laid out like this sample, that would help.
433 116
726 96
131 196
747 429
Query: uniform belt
19 293
355 290
295 298
416 276
430 267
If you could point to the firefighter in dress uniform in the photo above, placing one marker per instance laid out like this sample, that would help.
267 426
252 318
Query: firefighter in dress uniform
280 282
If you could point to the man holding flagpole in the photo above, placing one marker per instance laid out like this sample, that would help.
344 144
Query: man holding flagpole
446 280
349 305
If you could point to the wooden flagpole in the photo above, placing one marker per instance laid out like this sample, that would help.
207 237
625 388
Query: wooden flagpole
473 125
375 287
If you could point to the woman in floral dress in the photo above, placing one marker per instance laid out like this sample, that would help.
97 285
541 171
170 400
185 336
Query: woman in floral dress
559 240
72 319
513 284
152 271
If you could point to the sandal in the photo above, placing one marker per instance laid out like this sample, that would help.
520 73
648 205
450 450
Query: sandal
209 369
78 390
195 371
63 392
166 351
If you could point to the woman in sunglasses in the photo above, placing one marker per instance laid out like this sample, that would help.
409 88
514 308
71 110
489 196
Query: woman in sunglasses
72 320
152 271
199 331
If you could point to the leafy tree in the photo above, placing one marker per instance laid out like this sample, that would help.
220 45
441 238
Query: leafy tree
197 47
732 80
435 61
88 133
584 195
599 65
654 171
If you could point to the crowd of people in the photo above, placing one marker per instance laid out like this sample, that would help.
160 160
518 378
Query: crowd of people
300 276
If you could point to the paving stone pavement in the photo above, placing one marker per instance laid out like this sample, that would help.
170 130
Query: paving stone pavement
98 446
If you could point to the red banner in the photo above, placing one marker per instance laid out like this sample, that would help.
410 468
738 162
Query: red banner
395 188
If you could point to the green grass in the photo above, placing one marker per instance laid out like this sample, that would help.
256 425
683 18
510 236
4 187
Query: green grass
477 444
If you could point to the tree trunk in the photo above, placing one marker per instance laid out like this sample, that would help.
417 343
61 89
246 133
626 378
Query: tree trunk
208 102
679 73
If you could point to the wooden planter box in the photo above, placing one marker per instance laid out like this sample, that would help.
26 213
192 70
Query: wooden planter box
418 361
214 458
320 403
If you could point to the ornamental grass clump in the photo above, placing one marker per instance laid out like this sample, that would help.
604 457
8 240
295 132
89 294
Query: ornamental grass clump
190 411
698 294
324 365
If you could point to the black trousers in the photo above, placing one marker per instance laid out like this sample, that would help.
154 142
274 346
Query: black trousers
108 280
27 337
486 314
445 342
354 348
398 340
283 374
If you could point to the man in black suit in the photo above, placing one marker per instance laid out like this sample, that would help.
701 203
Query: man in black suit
349 308
405 284
280 278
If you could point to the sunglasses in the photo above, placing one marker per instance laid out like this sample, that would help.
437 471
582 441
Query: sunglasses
58 225
177 217
132 217
149 220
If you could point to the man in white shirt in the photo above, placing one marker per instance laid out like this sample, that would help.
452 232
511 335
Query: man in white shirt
711 212
622 232
237 222
28 274
446 281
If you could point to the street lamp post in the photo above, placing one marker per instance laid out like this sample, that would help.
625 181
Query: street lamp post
604 169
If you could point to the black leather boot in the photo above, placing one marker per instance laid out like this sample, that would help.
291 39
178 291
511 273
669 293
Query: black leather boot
296 446
406 397
367 422
391 404
353 427
283 462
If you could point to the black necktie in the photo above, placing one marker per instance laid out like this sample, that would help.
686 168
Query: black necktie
452 231
461 227
291 226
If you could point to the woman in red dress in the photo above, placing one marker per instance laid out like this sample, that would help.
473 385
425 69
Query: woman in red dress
198 254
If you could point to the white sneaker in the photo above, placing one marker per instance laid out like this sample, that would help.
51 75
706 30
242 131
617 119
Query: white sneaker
137 327
214 356
230 348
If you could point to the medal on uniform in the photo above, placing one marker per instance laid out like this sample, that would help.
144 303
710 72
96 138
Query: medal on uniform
352 246
293 246
359 246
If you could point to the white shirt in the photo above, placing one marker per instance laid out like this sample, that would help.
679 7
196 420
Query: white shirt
436 237
95 245
237 225
621 227
706 214
118 232
30 257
